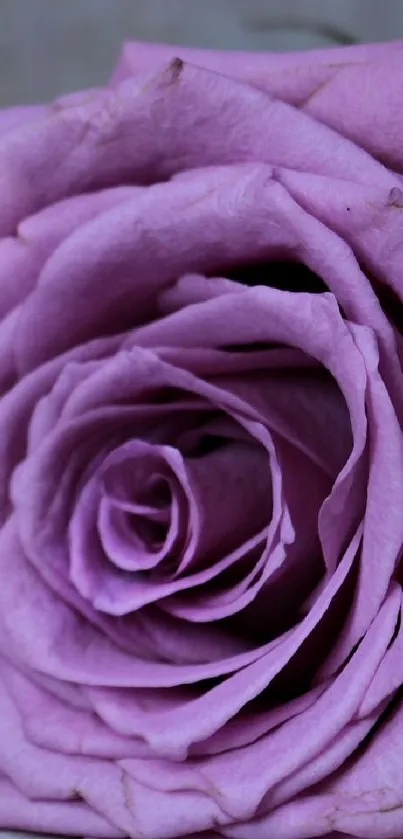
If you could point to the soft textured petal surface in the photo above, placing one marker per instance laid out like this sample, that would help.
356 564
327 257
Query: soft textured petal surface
324 83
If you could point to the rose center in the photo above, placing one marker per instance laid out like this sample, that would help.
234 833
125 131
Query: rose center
139 517
152 519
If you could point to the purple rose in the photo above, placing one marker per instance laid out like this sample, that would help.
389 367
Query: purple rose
201 450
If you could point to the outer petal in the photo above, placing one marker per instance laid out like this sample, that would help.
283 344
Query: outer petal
364 800
258 68
238 780
12 117
324 83
228 216
72 818
86 141
23 256
366 217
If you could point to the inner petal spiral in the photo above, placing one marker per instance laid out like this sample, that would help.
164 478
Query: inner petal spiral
150 520
139 521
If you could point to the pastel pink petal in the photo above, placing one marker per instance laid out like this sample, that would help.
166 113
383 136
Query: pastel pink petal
366 797
8 328
331 759
231 216
376 124
324 83
19 404
78 435
23 256
221 482
249 326
292 71
204 716
92 134
366 216
385 481
14 116
387 679
136 714
303 406
43 775
95 575
230 361
88 656
290 547
57 726
363 799
311 242
119 594
195 288
17 812
260 766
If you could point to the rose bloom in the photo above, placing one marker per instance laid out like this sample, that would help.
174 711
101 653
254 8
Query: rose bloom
201 450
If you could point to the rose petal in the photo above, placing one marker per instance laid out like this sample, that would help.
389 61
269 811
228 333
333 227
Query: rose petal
295 546
17 812
88 656
22 257
19 404
243 215
91 135
54 725
294 71
385 481
324 83
263 764
14 116
365 798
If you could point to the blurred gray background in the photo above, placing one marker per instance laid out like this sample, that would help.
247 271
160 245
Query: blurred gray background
48 47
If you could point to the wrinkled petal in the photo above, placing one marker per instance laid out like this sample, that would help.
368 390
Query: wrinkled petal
326 84
14 116
364 800
23 256
260 68
86 143
366 217
268 761
87 655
